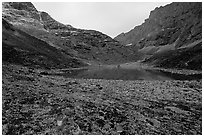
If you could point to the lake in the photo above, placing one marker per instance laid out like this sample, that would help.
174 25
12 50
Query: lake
124 72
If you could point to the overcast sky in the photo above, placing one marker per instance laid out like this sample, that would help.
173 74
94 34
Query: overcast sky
111 18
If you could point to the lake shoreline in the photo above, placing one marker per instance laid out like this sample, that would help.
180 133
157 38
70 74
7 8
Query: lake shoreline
136 65
121 71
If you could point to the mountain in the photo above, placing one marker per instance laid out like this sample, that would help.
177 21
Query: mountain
85 46
171 37
22 48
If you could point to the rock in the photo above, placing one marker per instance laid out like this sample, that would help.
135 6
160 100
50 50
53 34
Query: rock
154 122
100 122
44 73
72 82
60 119
187 90
68 112
106 126
177 110
59 122
4 129
119 128
72 129
99 86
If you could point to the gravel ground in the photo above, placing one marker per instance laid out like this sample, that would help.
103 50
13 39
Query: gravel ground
42 104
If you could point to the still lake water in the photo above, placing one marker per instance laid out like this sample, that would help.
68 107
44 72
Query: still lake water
124 72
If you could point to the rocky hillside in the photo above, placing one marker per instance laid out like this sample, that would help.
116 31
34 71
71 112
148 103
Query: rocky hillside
174 28
22 48
84 45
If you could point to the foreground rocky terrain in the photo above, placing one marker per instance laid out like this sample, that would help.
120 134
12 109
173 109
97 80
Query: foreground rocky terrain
44 104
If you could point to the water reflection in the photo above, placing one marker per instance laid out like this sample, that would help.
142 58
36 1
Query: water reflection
128 71
116 73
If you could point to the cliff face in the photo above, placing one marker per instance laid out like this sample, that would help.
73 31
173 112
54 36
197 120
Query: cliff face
166 24
85 45
168 28
24 13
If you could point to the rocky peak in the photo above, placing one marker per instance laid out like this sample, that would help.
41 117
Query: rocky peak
166 24
24 13
175 10
20 13
50 23
27 6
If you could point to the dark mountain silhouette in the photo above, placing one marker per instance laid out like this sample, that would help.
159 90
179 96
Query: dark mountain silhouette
170 36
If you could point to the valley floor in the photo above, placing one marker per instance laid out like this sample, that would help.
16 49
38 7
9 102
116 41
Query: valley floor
43 104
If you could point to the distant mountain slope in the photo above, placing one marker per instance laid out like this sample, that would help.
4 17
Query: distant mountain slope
188 58
166 30
87 45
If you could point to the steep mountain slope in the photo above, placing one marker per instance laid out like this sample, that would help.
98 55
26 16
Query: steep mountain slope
86 45
21 48
169 28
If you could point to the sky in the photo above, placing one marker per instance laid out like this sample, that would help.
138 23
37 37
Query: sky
111 18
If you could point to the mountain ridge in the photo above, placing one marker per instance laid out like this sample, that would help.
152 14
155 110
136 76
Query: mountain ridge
85 45
167 29
163 17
